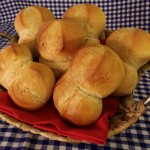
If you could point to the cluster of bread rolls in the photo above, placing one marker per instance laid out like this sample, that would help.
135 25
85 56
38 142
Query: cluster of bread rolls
58 40
69 48
55 41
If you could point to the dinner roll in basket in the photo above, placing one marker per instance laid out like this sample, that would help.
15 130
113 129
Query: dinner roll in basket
10 54
89 16
27 23
29 84
94 73
58 40
131 44
32 87
133 47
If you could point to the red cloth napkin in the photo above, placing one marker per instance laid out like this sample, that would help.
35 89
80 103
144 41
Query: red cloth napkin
48 119
103 41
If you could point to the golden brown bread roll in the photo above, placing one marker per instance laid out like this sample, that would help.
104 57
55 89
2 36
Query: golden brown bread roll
27 23
94 73
32 87
94 70
129 82
12 53
89 16
75 105
29 84
11 72
58 68
58 40
132 45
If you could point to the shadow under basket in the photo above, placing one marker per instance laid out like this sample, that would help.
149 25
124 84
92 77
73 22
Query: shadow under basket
128 112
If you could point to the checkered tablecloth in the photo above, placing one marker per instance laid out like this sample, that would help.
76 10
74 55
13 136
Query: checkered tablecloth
119 13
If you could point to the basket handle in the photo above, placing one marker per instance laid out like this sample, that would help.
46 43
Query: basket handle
141 71
146 102
11 39
142 105
129 110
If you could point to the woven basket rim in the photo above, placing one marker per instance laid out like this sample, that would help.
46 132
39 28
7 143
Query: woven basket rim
53 136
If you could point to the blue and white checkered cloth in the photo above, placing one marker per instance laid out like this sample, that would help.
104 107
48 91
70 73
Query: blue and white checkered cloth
119 13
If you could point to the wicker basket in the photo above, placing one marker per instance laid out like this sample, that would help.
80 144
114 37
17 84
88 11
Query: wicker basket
128 112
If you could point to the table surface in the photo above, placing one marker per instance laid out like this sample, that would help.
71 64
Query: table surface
136 136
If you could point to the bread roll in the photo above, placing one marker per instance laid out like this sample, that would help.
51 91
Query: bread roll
58 40
94 73
58 68
76 106
11 72
27 23
129 82
13 53
97 70
29 84
32 87
89 16
132 45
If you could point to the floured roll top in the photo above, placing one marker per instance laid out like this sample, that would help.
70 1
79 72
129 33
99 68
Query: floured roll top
32 87
29 84
9 55
133 47
97 70
58 40
89 16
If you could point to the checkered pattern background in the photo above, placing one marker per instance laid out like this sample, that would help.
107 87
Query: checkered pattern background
123 13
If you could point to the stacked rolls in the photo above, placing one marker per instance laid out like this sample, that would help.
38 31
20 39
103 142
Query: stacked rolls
29 84
59 40
88 16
